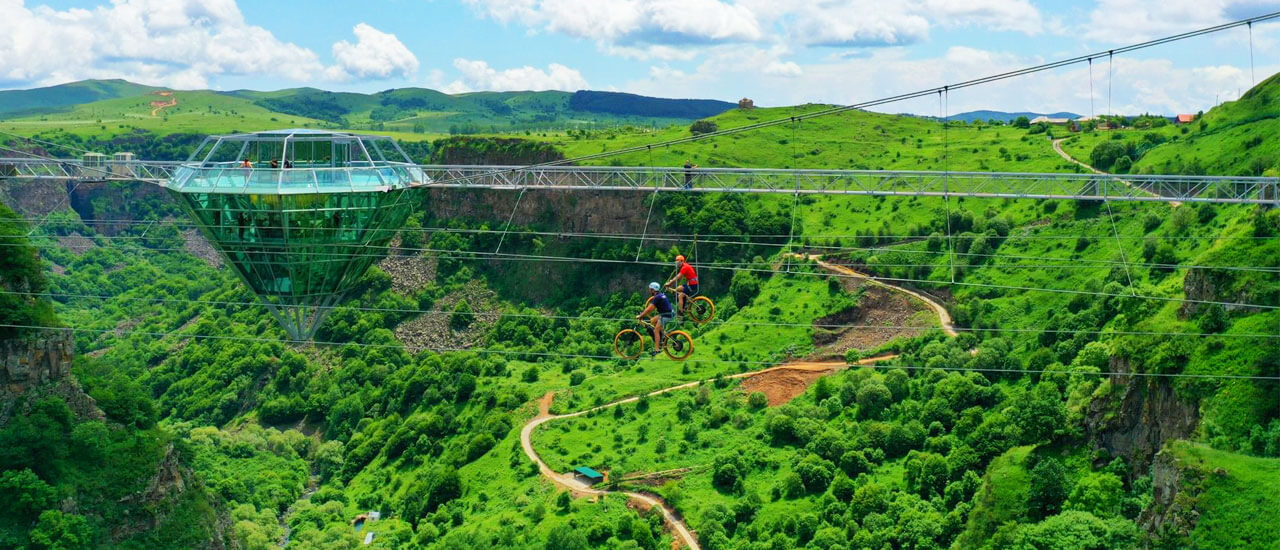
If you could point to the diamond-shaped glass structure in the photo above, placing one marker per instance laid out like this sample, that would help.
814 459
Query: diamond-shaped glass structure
299 214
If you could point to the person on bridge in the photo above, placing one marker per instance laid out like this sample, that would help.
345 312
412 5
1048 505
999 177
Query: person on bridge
660 306
689 167
686 291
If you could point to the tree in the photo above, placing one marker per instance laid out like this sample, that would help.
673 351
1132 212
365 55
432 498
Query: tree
1123 165
703 127
1022 122
815 473
462 316
1048 489
530 374
744 286
757 400
1038 412
566 537
58 531
873 397
564 501
854 463
1098 493
643 535
1105 154
926 474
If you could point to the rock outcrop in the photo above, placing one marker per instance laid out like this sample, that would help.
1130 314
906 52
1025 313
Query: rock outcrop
1139 414
1172 513
34 359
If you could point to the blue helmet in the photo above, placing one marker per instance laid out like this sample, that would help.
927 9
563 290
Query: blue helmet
655 287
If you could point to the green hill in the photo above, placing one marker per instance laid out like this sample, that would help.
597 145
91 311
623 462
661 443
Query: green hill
67 95
85 107
1006 436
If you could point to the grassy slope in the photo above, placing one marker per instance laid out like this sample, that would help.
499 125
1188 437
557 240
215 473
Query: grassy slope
68 95
1236 497
740 344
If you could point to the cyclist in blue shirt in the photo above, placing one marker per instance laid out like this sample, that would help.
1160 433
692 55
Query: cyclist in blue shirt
660 306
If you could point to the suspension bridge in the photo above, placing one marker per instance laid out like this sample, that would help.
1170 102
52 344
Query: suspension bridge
229 177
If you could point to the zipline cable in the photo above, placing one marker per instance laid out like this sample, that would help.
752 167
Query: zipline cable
890 99
713 324
614 358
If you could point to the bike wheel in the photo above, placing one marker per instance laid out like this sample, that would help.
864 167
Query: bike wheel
628 344
679 345
701 309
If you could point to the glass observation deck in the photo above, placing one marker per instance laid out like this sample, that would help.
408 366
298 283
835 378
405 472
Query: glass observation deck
296 161
300 215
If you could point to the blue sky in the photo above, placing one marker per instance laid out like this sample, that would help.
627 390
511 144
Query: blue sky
778 52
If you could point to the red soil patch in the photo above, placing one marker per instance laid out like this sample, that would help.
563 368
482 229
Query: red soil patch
781 385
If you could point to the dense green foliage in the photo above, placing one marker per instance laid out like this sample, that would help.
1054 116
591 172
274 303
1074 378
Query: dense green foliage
411 402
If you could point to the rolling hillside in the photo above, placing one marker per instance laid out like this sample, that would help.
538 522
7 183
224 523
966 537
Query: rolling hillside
106 107
1006 435
63 96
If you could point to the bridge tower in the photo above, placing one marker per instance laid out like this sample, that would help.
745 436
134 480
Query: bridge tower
299 215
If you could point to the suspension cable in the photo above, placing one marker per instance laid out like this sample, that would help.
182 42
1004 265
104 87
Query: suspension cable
610 357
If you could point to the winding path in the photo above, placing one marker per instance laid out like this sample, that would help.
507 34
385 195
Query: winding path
1057 147
679 529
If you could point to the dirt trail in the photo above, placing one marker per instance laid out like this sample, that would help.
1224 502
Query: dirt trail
676 523
944 318
1057 147
162 105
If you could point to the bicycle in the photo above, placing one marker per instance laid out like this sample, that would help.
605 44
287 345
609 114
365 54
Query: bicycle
629 342
700 309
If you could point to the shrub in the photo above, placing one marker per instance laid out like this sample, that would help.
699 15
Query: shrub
462 316
757 400
700 127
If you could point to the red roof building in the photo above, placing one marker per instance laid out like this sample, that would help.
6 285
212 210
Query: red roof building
1186 119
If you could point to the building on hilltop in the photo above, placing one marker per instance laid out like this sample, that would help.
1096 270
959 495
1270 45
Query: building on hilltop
746 103
1184 119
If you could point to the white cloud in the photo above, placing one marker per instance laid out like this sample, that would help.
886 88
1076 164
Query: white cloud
1123 21
631 21
478 75
1000 15
375 54
1138 85
857 23
179 43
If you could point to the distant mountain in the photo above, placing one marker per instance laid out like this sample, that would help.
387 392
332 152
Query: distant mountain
1007 117
631 104
417 110
70 94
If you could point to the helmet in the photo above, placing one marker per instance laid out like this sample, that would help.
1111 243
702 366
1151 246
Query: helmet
679 257
655 287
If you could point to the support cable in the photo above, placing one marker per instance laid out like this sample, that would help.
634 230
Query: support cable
1065 263
509 219
652 201
242 303
611 357
895 98
1253 77
1119 244
946 182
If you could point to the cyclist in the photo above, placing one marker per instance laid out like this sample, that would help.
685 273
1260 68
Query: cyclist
663 314
686 291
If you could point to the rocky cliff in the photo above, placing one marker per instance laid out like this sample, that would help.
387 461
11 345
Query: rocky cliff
1136 418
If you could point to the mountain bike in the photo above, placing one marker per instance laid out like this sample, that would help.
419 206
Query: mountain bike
700 309
629 342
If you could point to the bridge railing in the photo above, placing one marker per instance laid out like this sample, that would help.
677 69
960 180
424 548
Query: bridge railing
1228 189
179 175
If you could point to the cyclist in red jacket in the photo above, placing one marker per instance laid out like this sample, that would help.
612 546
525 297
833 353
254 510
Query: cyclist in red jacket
689 289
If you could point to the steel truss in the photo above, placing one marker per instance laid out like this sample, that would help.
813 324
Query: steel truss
1015 185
